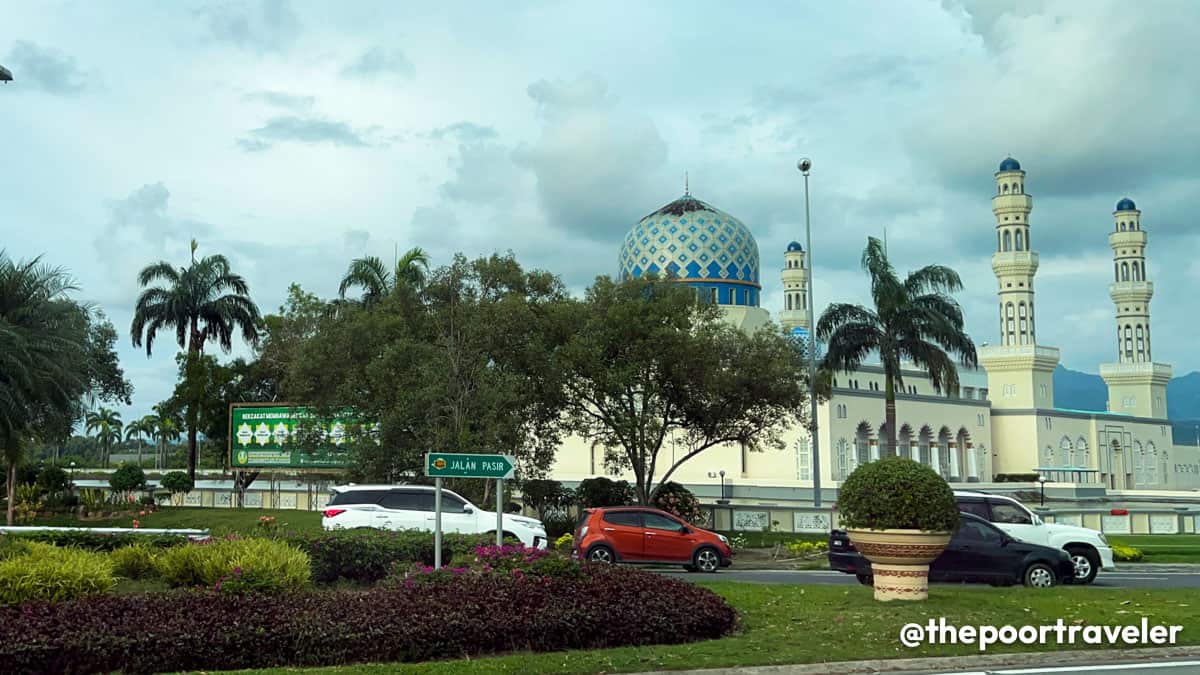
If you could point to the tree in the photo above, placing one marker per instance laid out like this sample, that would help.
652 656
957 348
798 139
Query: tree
458 367
53 352
546 496
177 483
107 425
127 478
914 319
371 275
648 364
202 302
136 431
599 492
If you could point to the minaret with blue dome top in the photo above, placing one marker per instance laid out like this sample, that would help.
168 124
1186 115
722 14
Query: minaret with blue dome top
693 243
795 312
1136 385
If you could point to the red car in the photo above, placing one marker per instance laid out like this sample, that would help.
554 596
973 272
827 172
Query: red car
633 534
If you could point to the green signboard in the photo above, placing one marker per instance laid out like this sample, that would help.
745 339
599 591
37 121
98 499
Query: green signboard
458 465
289 437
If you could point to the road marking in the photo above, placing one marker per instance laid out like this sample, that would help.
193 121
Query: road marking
1092 669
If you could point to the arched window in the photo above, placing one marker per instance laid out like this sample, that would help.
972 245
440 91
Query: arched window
923 442
1020 241
904 442
1006 188
1124 271
862 443
788 301
1139 464
1007 241
1082 456
943 452
842 468
1122 226
1067 452
1137 272
1151 463
1116 272
1047 456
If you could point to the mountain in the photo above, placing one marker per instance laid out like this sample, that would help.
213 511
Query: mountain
1085 391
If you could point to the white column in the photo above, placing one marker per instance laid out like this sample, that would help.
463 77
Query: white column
874 450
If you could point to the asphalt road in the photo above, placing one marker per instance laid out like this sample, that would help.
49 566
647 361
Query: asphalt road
1115 579
1140 668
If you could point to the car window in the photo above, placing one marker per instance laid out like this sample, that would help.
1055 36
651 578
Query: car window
451 504
976 508
404 500
655 521
624 518
1003 512
970 530
357 497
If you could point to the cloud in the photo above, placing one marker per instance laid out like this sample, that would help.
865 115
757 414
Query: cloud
378 61
484 174
308 130
47 69
279 99
272 28
464 132
596 165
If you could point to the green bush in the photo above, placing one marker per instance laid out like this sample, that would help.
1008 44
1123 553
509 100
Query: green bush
679 501
558 524
128 478
263 565
1122 553
897 493
176 482
54 574
52 479
600 492
99 541
135 561
11 546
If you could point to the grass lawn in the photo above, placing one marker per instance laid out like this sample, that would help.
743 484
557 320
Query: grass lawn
812 624
1163 548
219 521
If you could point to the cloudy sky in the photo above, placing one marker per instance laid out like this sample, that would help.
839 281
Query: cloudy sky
294 136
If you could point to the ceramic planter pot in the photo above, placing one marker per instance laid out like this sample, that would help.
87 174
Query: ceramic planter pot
900 560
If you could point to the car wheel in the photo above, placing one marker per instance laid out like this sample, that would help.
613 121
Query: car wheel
706 560
865 579
601 554
1087 563
1039 575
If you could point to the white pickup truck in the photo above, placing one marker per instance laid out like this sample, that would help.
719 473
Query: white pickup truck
1088 548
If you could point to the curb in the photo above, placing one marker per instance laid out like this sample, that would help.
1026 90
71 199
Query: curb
956 663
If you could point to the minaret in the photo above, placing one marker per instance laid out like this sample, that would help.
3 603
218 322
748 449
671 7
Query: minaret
795 290
1136 385
1020 373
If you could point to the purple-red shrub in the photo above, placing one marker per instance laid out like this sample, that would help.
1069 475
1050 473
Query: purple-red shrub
467 616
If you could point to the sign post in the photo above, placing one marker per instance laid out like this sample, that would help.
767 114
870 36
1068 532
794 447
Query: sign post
439 465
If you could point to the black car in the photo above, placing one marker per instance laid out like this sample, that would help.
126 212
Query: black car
978 552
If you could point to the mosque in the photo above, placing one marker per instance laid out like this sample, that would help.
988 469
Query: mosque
1002 420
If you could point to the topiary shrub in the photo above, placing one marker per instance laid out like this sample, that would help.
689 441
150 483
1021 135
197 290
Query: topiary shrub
600 492
178 484
897 493
54 574
679 501
128 478
263 565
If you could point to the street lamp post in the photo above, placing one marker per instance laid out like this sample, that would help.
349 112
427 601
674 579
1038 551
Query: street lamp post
1042 482
805 164
722 500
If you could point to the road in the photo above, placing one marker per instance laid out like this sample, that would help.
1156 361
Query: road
1115 579
1141 668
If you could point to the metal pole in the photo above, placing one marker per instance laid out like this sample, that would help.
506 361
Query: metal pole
499 512
814 437
437 523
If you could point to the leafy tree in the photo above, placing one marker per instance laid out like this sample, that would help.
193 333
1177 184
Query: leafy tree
647 364
177 483
202 302
914 319
107 425
546 496
458 367
127 478
52 354
371 275
599 492
53 479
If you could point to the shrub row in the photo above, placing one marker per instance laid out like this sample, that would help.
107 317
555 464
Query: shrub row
38 571
366 556
1016 478
98 541
606 607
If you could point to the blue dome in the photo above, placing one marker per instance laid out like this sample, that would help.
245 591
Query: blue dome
1010 164
698 245
795 246
1126 204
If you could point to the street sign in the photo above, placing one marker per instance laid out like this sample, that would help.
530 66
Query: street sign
462 465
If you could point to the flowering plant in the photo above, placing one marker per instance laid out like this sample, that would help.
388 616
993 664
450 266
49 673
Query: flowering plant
679 501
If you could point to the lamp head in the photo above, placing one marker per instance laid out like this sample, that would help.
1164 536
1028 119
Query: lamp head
722 473
1041 479
804 165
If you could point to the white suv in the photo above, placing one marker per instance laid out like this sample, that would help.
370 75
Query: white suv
1088 548
410 507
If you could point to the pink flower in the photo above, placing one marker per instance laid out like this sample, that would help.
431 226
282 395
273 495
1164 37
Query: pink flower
142 514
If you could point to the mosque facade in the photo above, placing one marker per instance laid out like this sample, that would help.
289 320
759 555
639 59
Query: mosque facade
1002 419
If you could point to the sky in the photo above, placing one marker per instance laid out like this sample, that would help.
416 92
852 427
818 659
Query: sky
295 136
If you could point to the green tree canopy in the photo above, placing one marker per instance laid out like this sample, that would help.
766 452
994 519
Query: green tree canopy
915 319
647 363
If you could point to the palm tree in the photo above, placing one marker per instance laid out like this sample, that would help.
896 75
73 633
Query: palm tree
137 430
372 276
43 348
107 425
163 427
914 319
201 302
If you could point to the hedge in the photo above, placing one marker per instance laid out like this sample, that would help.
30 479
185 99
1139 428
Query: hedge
1016 478
467 616
98 541
366 556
